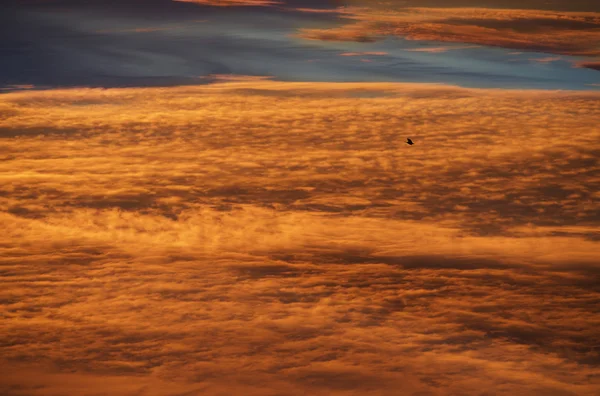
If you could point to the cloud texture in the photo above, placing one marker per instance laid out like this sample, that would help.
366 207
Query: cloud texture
257 237
568 33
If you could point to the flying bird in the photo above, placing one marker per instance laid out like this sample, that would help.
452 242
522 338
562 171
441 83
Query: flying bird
409 142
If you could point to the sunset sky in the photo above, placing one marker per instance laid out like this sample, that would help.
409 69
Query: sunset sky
215 197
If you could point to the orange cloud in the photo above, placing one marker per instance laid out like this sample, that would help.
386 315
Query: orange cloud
372 53
547 59
260 237
436 50
568 33
589 64
319 10
431 49
235 77
17 87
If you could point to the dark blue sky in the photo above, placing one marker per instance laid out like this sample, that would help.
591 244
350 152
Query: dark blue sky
160 42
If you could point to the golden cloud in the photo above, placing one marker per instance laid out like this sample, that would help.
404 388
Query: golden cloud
260 237
568 33
368 53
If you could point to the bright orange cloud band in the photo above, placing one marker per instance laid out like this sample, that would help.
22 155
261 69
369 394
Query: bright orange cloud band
261 238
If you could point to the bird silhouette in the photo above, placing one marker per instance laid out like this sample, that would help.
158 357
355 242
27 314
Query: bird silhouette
409 142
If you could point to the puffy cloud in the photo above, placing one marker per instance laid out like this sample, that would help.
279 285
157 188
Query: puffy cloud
261 237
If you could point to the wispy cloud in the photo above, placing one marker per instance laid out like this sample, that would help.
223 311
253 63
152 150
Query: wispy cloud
234 3
547 59
17 87
568 33
436 50
319 10
371 53
591 64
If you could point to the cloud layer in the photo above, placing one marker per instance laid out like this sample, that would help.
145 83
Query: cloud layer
272 238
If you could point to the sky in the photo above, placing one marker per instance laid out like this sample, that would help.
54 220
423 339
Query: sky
216 198
163 43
